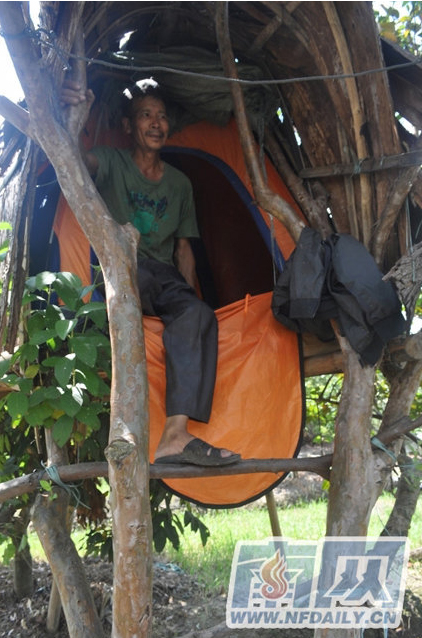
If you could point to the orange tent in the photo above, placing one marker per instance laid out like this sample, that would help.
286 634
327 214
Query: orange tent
258 401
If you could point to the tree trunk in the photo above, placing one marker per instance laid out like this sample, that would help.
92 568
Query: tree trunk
115 247
350 499
407 495
17 205
358 475
51 522
351 482
55 603
14 526
78 605
23 579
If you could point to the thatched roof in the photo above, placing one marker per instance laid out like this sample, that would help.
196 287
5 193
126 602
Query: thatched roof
336 142
340 122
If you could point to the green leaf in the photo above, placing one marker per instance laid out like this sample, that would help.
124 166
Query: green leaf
68 287
62 430
52 315
23 543
69 404
5 226
78 393
40 281
96 311
4 444
64 368
30 297
25 385
43 336
35 324
85 350
28 353
43 394
160 539
51 362
86 290
5 365
172 534
11 380
8 553
46 485
52 393
91 380
39 414
31 371
88 415
17 404
4 249
92 306
64 327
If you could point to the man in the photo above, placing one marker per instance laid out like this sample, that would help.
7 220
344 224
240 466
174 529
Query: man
139 187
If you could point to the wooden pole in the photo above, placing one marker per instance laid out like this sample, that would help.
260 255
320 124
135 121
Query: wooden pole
272 511
319 465
368 165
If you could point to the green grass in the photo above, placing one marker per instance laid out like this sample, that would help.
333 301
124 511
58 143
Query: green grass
37 551
212 563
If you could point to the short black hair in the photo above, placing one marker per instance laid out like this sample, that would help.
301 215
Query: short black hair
142 88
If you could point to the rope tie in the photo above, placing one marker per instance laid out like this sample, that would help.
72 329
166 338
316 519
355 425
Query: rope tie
357 168
71 489
50 40
375 441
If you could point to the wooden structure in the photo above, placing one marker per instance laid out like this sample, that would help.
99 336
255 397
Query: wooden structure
328 90
349 163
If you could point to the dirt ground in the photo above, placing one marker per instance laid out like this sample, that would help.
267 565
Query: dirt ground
181 608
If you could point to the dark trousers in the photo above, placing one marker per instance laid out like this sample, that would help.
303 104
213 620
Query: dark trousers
189 337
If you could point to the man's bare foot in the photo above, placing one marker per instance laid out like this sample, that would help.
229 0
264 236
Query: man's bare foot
176 437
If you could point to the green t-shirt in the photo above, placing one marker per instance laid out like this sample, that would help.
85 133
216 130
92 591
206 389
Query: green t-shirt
161 211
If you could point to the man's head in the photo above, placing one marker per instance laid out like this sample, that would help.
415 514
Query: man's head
145 117
142 88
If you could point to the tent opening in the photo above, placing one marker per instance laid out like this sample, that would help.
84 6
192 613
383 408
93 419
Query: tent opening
232 257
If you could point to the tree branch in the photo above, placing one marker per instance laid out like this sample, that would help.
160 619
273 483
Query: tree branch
265 197
16 115
356 113
368 165
399 189
318 464
315 209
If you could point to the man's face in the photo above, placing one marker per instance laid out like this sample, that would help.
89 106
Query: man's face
149 125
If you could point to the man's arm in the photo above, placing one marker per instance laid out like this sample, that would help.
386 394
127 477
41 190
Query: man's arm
72 95
185 261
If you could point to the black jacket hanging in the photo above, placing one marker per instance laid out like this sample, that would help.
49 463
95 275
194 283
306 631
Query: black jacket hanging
337 278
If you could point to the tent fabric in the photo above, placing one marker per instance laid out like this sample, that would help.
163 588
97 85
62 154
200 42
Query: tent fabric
224 144
257 407
75 253
258 401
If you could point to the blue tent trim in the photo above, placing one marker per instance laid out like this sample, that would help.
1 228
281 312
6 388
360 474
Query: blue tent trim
243 193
